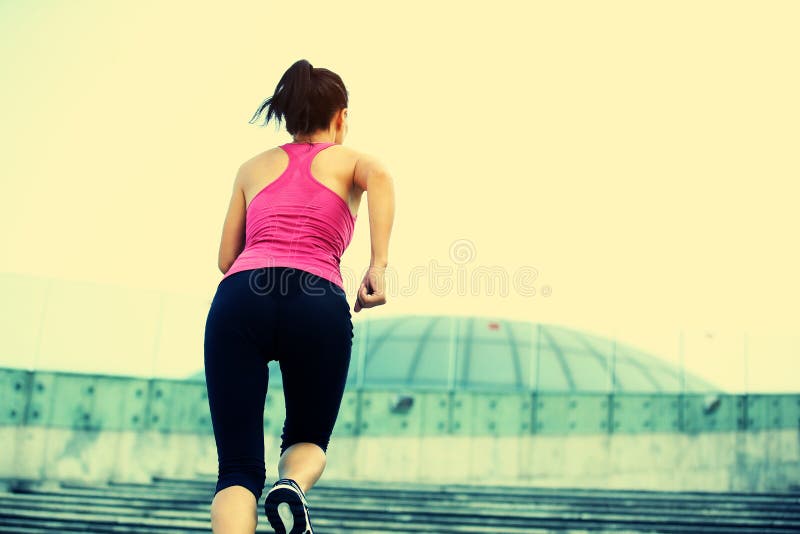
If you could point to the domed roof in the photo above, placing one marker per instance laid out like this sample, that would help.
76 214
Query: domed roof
483 353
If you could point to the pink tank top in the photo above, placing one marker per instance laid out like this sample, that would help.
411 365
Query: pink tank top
296 221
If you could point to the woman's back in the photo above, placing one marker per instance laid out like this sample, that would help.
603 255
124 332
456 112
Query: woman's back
301 206
333 167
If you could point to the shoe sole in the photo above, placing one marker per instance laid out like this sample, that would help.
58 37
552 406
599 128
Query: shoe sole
285 511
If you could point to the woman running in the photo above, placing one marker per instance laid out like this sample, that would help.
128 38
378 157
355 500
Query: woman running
290 218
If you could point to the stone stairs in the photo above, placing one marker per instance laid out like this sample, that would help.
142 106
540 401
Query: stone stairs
338 507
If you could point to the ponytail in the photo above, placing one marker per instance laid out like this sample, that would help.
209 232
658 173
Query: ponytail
306 98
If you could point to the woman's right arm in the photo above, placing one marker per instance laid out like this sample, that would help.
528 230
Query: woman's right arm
373 177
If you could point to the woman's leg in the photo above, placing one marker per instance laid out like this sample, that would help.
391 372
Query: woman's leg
315 346
237 336
234 511
304 463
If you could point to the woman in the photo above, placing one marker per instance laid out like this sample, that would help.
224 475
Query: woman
290 218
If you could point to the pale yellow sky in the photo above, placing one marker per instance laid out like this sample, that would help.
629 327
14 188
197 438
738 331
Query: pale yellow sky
640 156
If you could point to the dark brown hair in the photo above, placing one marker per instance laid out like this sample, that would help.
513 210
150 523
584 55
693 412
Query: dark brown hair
306 98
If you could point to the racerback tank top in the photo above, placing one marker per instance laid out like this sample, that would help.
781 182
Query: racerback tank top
297 221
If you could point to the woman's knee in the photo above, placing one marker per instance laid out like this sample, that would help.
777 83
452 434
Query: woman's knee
249 473
320 441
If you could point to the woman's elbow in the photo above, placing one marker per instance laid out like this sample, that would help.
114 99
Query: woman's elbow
224 264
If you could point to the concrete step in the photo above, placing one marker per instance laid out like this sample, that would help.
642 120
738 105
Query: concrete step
171 505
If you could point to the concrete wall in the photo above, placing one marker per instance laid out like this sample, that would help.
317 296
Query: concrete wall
93 427
715 461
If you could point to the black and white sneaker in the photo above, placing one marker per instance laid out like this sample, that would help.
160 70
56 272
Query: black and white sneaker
287 509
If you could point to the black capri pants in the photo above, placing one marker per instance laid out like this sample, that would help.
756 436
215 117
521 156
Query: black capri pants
273 313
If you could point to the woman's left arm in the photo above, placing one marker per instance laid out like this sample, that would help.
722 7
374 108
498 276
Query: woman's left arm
233 229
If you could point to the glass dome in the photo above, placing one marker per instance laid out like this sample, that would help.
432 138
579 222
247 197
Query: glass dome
483 353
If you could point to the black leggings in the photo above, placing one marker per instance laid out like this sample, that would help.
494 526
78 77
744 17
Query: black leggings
274 313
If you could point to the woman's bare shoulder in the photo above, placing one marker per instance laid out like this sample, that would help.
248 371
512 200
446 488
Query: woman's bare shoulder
364 162
263 157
